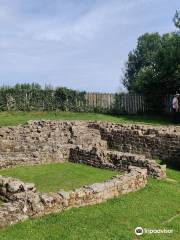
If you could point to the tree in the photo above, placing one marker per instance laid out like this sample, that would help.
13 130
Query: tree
176 19
66 99
141 60
153 68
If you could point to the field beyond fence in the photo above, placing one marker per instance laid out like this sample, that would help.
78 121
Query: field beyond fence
70 100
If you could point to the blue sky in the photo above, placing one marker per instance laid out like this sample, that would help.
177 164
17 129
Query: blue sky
81 44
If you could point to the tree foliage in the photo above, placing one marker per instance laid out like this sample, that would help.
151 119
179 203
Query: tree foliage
67 99
153 68
26 97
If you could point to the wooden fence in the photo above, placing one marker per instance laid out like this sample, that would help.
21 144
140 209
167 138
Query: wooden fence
100 100
120 103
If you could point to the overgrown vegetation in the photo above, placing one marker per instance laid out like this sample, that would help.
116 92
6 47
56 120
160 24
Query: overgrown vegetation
28 97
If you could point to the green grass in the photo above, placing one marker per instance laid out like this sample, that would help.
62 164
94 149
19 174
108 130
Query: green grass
152 207
53 177
115 219
15 118
173 174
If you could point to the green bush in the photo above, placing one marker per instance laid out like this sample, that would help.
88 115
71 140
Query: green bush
69 100
27 97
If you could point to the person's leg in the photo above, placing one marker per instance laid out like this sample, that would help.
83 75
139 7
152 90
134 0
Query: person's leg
174 115
178 117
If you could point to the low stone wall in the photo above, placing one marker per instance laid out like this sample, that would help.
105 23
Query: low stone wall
23 201
91 143
154 142
122 161
116 160
40 142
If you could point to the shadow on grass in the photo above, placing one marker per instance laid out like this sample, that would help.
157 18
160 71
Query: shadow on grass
174 165
150 119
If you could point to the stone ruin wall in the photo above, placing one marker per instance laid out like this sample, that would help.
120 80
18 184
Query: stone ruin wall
23 201
155 142
89 142
44 142
52 141
116 161
127 148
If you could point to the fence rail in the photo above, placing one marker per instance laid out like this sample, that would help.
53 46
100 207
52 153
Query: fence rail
92 102
100 100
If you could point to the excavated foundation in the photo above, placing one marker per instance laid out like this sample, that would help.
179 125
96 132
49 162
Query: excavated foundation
128 148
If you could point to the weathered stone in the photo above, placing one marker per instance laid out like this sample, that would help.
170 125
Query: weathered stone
29 203
152 141
40 142
47 200
15 186
64 194
116 160
30 187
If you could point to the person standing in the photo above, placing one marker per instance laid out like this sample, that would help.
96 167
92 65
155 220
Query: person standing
175 107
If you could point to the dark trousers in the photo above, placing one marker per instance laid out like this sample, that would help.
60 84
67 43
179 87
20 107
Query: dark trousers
175 115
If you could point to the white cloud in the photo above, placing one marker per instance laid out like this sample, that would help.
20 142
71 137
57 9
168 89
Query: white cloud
75 42
88 25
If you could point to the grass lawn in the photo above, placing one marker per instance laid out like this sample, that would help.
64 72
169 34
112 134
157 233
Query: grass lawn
15 118
152 207
53 177
157 206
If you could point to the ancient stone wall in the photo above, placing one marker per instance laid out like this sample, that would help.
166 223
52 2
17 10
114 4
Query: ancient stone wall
23 201
154 142
50 141
116 160
128 148
56 141
44 142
